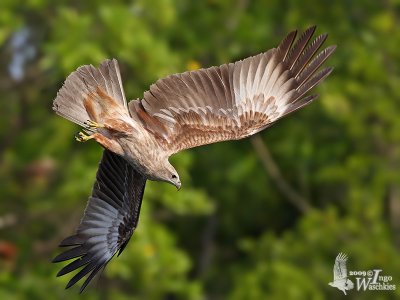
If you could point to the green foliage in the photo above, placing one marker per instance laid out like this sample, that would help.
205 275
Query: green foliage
231 232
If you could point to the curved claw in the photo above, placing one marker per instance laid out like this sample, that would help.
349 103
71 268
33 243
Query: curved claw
83 136
92 125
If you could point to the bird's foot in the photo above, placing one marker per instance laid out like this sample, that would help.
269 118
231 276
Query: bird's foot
83 136
92 125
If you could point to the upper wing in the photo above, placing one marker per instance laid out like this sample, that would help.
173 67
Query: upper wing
340 268
110 218
234 100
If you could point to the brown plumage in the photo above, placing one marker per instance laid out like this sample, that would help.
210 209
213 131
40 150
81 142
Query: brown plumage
181 111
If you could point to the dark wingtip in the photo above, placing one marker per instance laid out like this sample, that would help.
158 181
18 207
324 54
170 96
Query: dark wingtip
57 259
312 27
72 240
332 48
286 43
327 71
71 253
83 287
69 284
292 34
310 30
323 36
90 277
74 280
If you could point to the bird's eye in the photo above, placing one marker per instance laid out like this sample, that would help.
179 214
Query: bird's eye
173 176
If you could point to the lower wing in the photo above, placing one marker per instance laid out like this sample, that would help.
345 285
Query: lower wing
110 218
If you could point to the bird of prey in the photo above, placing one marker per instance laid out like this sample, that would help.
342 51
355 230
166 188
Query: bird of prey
340 279
181 111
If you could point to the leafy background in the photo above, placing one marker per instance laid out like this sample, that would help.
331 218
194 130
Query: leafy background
260 218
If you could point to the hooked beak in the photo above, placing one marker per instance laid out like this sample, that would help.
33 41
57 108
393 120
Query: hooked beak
178 185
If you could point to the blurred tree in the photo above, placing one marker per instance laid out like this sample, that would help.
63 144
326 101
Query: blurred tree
231 232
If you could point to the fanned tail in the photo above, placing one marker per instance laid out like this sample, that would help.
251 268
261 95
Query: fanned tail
88 91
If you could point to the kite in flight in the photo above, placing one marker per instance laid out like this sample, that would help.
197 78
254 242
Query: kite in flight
340 279
181 111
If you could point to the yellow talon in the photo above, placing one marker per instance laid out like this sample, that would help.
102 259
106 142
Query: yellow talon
92 125
87 133
83 136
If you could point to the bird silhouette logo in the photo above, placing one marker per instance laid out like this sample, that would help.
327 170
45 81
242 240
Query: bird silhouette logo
340 279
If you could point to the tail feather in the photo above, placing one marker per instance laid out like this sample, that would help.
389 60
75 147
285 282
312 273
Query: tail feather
87 80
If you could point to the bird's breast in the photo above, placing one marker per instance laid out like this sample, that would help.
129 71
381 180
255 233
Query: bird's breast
143 152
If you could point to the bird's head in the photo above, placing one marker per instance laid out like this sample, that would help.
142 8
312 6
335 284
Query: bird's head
170 175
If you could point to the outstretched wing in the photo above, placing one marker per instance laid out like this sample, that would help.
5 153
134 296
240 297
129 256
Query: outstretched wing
109 221
340 268
234 100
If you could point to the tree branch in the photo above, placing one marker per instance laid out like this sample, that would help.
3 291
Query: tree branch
273 171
